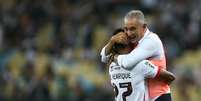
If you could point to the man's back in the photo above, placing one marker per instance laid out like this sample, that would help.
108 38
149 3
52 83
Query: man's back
129 85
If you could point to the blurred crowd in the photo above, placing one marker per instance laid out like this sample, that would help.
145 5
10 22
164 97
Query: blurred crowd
49 49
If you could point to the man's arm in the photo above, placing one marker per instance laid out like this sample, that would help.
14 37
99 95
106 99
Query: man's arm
118 38
149 70
144 50
166 76
105 52
108 47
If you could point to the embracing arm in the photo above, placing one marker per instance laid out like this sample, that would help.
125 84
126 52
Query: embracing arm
149 70
144 50
107 50
166 76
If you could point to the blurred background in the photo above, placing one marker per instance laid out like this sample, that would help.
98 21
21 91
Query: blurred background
49 49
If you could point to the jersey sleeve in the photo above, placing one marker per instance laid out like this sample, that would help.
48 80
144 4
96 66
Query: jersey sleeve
104 58
149 70
144 50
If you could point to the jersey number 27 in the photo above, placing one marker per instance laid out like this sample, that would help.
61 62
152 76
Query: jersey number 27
123 85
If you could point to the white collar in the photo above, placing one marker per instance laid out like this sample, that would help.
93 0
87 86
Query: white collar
145 34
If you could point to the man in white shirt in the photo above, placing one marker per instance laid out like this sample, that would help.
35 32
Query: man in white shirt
148 46
129 85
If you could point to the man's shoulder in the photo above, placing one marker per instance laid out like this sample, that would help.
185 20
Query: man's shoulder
152 40
153 35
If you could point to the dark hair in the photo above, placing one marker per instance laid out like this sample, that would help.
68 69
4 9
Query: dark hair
117 31
116 45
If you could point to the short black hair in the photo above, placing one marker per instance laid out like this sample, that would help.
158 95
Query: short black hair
117 31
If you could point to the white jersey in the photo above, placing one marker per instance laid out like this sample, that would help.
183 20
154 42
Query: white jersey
129 85
149 48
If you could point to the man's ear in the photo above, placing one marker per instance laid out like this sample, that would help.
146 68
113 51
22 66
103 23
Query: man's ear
144 25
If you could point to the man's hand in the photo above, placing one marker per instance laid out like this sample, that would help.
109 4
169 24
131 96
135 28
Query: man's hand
166 76
120 38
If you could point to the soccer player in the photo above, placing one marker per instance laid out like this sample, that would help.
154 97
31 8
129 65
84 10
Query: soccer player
148 46
129 85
